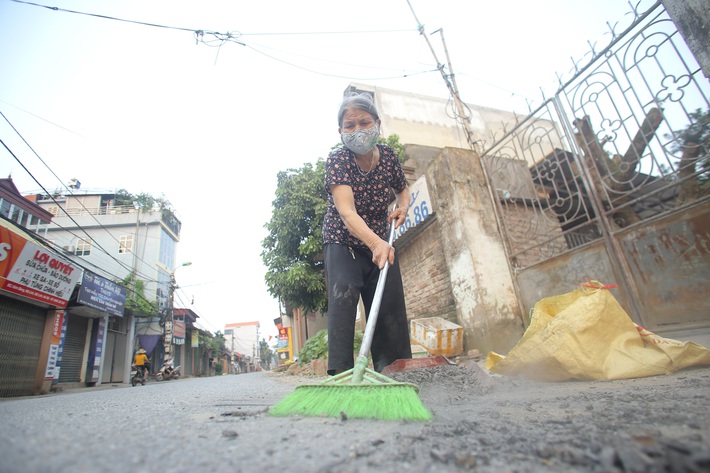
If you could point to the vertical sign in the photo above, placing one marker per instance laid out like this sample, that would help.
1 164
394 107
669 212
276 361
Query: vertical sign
96 350
52 371
62 337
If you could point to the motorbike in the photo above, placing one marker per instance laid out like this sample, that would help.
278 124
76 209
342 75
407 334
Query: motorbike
136 375
165 374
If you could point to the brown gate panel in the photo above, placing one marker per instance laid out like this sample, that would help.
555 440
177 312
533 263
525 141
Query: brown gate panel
669 261
563 274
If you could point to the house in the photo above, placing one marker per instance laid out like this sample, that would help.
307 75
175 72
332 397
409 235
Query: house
36 284
117 241
241 339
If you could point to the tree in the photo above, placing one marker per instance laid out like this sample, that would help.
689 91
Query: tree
143 201
266 354
293 249
694 144
135 296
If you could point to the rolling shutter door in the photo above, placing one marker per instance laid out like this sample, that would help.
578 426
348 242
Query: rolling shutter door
73 351
21 329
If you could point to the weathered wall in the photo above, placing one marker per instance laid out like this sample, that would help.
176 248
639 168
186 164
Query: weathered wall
481 283
424 120
692 18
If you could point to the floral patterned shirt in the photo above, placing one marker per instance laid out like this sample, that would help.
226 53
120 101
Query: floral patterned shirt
371 192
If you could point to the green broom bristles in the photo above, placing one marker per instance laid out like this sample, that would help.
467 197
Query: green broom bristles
397 401
359 393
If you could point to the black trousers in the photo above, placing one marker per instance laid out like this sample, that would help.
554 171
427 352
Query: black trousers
350 274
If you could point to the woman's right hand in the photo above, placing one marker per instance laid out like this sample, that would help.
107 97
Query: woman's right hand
381 253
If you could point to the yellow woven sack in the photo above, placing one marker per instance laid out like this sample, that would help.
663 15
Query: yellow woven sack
586 335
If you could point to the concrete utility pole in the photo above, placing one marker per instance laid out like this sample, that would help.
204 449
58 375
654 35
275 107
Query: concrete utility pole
450 80
168 328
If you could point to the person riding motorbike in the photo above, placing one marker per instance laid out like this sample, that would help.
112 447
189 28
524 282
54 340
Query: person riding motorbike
142 363
169 368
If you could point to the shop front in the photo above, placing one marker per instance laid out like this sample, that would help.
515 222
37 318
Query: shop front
35 286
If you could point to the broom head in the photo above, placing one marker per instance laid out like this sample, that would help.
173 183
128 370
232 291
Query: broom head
359 393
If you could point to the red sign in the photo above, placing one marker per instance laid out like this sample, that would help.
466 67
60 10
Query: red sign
32 271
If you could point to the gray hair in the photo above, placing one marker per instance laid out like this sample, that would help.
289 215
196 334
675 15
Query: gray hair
362 102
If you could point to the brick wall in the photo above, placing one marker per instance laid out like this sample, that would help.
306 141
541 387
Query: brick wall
427 285
533 237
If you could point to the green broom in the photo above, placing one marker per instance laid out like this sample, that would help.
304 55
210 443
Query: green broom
360 392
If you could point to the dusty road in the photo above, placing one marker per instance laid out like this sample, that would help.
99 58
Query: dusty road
480 424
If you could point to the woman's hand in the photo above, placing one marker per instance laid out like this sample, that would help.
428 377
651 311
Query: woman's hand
399 215
381 253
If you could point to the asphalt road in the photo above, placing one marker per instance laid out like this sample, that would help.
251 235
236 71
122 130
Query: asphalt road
482 424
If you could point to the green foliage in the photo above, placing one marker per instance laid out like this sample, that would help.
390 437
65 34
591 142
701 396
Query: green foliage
218 367
316 347
123 198
135 296
293 250
213 343
266 354
696 134
143 201
393 142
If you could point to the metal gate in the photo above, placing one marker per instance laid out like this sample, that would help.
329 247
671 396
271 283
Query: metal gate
73 350
21 329
609 179
114 363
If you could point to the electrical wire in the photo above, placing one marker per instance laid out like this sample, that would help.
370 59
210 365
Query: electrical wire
219 39
399 76
73 259
54 200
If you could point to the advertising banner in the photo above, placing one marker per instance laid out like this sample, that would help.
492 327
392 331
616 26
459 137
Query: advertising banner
32 271
60 352
52 370
283 338
283 346
102 294
179 332
96 348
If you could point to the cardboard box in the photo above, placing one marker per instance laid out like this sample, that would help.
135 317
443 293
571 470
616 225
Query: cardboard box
437 336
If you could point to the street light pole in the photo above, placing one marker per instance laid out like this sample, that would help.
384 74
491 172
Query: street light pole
168 338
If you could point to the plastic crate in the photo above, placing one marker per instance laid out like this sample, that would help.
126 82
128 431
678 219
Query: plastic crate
437 336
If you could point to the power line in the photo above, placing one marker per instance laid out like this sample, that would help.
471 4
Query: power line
337 75
220 39
129 269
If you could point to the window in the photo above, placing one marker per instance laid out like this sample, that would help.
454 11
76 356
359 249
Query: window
54 210
83 247
167 250
5 207
125 244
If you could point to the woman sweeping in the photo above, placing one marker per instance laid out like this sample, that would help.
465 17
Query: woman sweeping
359 177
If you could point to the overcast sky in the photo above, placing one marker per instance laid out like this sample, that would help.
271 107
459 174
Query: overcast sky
208 121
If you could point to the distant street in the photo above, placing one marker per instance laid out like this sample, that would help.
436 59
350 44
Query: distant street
482 424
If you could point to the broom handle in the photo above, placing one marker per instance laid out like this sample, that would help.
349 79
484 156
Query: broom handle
376 302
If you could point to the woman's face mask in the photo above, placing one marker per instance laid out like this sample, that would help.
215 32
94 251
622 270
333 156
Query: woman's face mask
361 141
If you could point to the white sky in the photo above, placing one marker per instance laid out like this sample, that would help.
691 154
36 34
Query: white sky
120 105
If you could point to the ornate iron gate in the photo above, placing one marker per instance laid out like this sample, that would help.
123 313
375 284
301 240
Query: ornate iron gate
609 179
